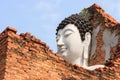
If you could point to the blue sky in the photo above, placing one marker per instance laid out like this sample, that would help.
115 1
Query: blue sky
41 17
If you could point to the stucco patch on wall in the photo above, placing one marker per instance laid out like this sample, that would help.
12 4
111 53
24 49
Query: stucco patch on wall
110 40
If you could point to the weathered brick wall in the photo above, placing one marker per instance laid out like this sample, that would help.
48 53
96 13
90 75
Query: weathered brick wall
98 17
24 57
28 58
3 49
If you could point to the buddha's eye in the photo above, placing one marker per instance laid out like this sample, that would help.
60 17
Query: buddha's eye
67 33
57 38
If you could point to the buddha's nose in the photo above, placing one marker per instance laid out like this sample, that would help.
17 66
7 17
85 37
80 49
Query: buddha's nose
60 42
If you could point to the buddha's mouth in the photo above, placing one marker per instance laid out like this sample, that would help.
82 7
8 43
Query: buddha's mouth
62 50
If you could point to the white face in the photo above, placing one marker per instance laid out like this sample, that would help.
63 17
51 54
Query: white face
69 42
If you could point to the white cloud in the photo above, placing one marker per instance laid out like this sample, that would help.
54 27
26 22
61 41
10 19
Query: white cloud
55 17
47 5
43 5
51 17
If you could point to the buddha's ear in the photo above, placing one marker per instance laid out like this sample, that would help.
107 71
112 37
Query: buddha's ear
86 44
87 39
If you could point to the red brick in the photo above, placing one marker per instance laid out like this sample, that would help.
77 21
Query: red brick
9 28
17 62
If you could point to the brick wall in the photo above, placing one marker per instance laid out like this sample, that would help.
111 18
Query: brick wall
3 50
28 58
24 57
98 17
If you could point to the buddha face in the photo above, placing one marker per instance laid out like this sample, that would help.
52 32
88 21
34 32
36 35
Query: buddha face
69 42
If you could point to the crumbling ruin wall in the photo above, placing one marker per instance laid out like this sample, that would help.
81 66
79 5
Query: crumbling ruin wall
28 58
24 57
3 50
105 34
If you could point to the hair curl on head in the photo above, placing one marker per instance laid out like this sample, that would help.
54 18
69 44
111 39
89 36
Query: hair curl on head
82 24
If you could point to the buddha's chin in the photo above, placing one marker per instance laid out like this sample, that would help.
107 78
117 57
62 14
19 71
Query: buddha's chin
63 54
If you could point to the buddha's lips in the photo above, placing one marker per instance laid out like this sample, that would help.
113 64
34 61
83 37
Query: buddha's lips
61 50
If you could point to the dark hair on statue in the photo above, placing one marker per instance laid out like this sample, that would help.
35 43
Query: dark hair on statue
82 24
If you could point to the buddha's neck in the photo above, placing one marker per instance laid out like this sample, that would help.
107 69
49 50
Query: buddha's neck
78 61
82 60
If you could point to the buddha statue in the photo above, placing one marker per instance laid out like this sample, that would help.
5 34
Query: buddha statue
74 41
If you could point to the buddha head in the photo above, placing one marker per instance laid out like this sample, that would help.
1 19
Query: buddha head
73 38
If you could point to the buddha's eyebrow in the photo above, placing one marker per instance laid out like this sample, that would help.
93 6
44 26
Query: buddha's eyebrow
58 35
68 30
